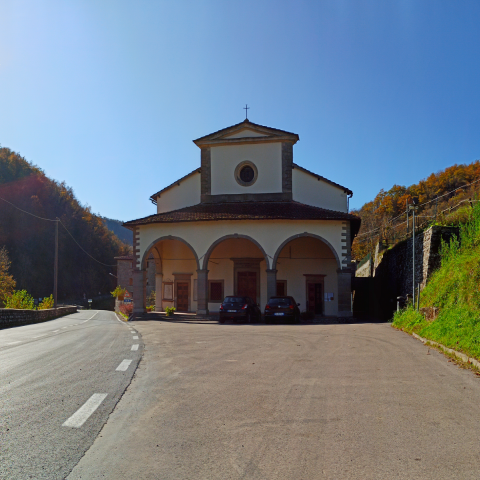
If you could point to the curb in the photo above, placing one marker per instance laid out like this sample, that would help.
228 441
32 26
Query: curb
461 356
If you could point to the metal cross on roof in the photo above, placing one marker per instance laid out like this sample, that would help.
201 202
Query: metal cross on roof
246 107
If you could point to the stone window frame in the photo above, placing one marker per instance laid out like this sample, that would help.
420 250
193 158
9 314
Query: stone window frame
210 291
238 169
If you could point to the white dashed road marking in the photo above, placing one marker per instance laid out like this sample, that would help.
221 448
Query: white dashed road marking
13 343
123 366
38 336
55 331
135 347
135 337
82 414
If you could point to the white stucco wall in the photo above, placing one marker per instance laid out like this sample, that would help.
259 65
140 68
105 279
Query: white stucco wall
245 133
309 190
269 234
267 157
184 195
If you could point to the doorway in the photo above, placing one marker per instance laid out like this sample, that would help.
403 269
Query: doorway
315 298
182 296
247 285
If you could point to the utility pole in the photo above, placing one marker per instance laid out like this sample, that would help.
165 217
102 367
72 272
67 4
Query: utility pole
413 207
55 270
408 208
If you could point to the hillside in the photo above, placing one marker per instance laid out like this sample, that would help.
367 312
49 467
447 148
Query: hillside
30 240
454 290
115 226
384 218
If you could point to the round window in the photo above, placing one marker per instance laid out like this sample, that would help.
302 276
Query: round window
246 173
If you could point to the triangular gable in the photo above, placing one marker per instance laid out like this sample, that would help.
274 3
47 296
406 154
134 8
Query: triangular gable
246 130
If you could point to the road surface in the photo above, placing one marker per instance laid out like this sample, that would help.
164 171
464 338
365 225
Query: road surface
296 402
58 384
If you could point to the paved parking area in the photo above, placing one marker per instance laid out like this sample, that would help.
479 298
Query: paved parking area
360 401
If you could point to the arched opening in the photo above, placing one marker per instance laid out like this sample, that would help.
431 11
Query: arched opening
307 270
236 265
172 264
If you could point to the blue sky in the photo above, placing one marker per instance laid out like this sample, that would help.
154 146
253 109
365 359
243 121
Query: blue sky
108 95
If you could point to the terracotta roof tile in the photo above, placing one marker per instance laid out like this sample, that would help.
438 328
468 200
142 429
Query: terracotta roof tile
246 211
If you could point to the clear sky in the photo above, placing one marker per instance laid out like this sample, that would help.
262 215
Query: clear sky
108 95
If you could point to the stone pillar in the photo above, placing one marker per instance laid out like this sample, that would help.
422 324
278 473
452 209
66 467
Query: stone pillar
202 292
344 293
271 283
158 292
138 291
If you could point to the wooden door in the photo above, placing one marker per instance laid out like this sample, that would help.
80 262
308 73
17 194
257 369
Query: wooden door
315 298
182 296
247 285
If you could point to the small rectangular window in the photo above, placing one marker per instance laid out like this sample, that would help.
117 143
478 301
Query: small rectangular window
215 291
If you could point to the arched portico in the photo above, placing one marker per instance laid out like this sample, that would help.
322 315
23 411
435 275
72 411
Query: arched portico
176 266
235 264
307 267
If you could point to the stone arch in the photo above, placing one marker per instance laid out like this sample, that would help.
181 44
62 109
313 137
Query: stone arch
151 247
206 257
300 235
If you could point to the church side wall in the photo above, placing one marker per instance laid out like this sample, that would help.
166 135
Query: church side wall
267 158
309 190
184 195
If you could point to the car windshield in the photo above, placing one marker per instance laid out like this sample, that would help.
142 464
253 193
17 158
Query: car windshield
280 302
234 300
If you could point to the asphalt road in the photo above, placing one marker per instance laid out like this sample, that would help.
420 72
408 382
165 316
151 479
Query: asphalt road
296 402
48 371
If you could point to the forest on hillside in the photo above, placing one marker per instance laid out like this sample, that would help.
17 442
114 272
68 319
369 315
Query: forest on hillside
444 198
30 241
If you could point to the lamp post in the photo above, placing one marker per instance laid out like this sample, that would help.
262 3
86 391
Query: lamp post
413 208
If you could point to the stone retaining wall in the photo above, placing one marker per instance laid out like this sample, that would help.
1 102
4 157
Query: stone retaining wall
10 317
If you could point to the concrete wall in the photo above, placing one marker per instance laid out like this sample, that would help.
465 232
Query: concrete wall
10 317
309 190
267 157
393 268
186 194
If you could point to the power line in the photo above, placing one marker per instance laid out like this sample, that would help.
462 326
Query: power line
55 220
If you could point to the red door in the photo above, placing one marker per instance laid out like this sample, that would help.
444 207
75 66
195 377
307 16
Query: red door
247 285
182 297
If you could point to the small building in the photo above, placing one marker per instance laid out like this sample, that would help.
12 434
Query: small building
248 221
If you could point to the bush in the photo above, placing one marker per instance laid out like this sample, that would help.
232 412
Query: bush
150 308
47 302
119 292
126 308
169 311
21 300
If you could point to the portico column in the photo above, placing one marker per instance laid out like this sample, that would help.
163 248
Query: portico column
344 293
271 283
202 292
158 291
138 291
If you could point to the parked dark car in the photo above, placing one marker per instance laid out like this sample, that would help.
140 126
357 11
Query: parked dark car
239 308
282 308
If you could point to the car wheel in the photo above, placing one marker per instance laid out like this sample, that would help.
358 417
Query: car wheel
222 320
248 318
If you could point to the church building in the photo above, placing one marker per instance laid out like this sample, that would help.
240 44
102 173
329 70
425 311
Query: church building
249 221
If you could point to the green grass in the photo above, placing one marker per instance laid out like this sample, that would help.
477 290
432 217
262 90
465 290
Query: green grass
455 289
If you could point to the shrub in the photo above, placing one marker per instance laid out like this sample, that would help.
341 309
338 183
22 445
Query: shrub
169 311
150 308
126 308
47 302
151 299
21 300
119 292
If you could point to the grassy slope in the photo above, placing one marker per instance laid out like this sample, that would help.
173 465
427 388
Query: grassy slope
455 289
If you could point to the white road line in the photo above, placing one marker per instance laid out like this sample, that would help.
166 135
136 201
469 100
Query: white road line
123 366
135 347
38 336
55 331
13 343
93 316
82 414
135 337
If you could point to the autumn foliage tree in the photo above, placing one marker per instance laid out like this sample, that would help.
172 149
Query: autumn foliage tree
30 240
384 217
7 282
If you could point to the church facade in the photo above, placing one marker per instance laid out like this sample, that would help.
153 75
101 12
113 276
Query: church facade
248 221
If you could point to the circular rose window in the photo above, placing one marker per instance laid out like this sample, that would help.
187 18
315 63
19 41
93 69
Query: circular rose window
246 173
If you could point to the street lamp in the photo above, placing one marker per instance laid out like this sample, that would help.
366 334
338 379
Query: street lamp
412 208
